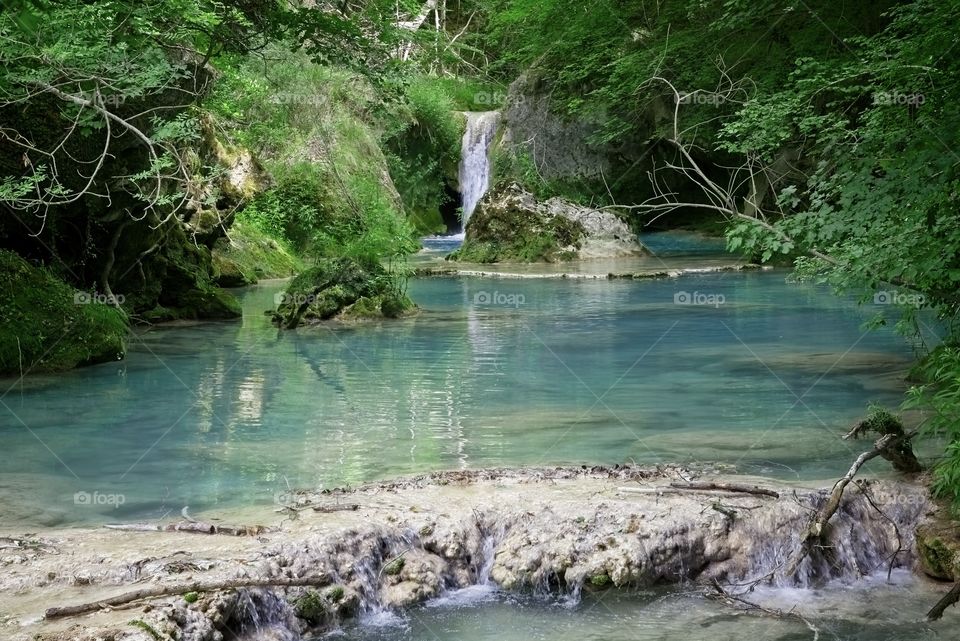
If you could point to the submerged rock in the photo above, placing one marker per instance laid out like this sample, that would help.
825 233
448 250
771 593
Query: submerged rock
342 288
510 225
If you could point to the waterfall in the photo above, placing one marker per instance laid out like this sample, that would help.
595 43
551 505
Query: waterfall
475 158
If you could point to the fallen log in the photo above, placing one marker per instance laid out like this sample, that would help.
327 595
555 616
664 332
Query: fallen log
726 487
195 527
340 507
134 527
950 598
183 588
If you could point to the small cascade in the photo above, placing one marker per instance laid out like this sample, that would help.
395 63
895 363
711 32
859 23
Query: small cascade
861 542
482 588
475 159
262 615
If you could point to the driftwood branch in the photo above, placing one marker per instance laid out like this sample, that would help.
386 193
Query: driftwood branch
818 524
726 487
183 588
723 595
197 527
948 599
338 507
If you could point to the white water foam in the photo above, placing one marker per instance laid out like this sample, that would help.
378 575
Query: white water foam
475 158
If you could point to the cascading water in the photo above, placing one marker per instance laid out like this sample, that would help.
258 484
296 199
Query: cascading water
475 159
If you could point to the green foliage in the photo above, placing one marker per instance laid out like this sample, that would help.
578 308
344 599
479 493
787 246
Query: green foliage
880 421
880 118
248 254
423 143
939 394
320 132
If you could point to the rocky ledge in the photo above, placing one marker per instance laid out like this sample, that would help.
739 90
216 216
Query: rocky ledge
337 554
510 225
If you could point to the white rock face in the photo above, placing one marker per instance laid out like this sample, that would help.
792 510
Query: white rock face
607 236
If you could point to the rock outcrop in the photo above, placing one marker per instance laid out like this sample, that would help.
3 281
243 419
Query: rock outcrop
343 288
559 147
938 545
46 325
510 225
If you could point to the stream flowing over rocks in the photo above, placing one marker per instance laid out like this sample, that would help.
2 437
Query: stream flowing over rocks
548 532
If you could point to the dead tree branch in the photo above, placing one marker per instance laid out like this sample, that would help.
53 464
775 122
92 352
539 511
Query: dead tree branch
183 588
818 524
950 598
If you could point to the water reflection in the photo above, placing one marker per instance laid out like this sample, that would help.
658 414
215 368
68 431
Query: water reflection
217 414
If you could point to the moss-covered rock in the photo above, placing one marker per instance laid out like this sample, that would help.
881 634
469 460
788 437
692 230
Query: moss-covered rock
208 302
227 272
248 255
344 288
509 225
311 607
600 580
394 567
938 549
46 325
173 280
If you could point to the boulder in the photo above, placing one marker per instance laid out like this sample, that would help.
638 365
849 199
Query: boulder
46 325
343 288
510 225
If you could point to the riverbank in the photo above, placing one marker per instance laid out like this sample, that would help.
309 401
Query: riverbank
390 545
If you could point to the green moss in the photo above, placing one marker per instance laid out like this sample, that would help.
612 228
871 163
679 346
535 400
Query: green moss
207 302
600 580
311 607
342 287
149 629
229 273
250 254
502 229
938 558
394 567
427 221
45 325
365 307
191 597
335 593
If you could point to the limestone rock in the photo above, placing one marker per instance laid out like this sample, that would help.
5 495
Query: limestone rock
510 225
